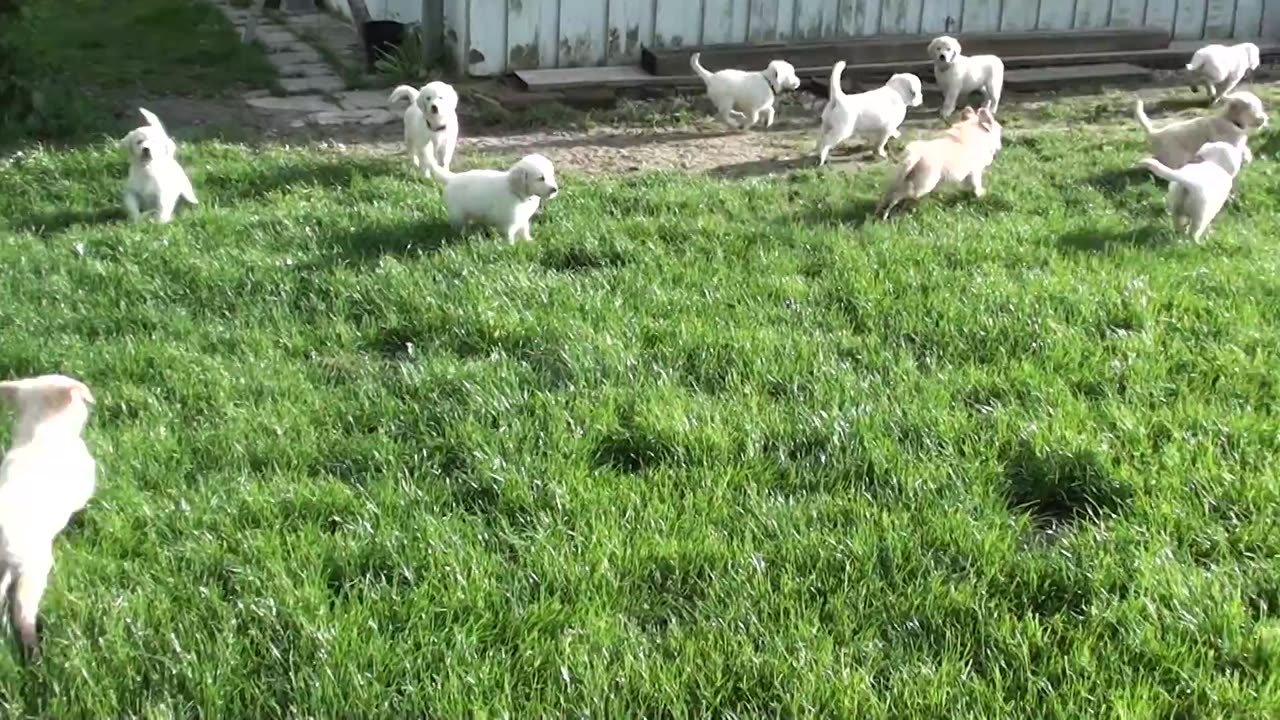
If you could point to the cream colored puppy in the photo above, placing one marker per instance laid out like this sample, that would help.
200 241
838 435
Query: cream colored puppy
742 97
1220 68
156 180
507 199
47 475
958 74
961 155
877 113
431 120
1175 144
1199 189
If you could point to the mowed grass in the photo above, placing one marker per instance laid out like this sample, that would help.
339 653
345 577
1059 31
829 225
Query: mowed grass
703 448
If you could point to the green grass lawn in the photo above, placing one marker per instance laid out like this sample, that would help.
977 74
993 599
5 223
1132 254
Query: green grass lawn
83 58
702 448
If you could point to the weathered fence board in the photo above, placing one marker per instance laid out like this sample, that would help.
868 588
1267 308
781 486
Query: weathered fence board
490 37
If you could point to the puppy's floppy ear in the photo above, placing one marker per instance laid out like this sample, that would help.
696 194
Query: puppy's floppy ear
518 178
1255 58
986 117
968 113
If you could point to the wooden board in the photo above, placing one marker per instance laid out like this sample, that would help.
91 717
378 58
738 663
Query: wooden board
622 76
1058 75
899 48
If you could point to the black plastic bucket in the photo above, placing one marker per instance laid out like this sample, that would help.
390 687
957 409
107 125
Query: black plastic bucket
381 37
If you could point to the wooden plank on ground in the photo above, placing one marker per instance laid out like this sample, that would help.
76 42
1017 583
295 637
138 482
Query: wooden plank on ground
868 74
901 48
1058 75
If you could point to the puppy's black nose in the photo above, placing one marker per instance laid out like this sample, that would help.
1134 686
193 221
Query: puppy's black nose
146 153
554 191
434 111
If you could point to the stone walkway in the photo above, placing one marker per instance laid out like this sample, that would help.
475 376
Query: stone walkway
315 92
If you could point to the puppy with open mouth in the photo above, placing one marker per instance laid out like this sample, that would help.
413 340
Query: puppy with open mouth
743 97
430 121
507 199
958 74
1175 144
156 181
46 477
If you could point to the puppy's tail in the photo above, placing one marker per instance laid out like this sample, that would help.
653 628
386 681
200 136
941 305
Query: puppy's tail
1140 112
1161 170
1197 60
442 174
404 92
697 67
836 91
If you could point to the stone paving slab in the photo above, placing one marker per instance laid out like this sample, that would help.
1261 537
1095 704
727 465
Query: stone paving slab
293 103
348 117
364 99
299 56
314 84
304 70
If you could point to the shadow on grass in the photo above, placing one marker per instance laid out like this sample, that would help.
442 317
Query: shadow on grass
53 223
853 214
334 172
754 168
1057 488
1116 181
371 242
1094 240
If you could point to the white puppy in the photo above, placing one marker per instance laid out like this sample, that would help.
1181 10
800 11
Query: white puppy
45 477
156 180
1175 144
741 97
1199 189
958 75
504 198
962 155
431 120
1220 68
877 113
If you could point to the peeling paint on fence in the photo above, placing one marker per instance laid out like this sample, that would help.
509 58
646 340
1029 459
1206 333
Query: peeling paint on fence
491 37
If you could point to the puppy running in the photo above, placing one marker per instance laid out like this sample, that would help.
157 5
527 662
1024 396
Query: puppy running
1175 144
741 97
958 75
156 180
962 155
503 198
431 120
877 113
1199 189
45 477
1220 68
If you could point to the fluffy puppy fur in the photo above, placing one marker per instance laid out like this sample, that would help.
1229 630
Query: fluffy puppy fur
961 155
741 97
430 121
877 113
45 477
156 180
1220 68
503 198
1175 144
958 74
1199 189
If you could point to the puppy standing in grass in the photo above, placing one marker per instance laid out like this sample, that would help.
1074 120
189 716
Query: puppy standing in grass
1199 189
1220 68
958 74
156 180
962 155
430 121
1175 144
505 198
45 477
741 97
877 113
